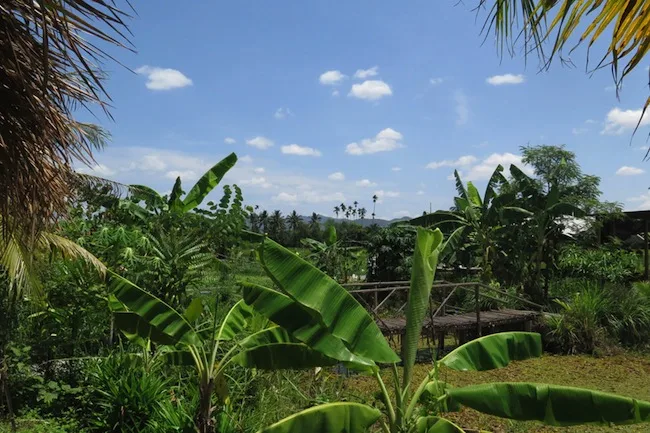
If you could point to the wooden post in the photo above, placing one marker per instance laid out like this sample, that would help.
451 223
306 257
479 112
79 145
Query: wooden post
645 248
376 299
478 311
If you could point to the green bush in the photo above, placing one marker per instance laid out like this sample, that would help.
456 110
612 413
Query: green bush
608 264
594 316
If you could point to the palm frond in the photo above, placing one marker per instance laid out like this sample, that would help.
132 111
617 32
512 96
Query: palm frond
69 249
569 23
50 65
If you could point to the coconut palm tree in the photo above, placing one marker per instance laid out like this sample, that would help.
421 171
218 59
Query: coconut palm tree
374 205
549 27
50 64
362 213
314 225
264 221
337 210
276 226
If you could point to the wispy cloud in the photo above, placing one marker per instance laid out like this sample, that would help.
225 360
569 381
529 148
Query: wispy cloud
629 171
366 73
463 161
618 121
337 176
282 113
295 149
435 81
260 142
365 183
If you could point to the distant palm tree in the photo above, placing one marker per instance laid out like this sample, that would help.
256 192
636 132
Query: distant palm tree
314 221
276 226
374 205
362 212
347 213
264 221
294 222
343 208
337 210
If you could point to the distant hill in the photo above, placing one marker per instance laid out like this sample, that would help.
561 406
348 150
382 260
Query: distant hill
366 222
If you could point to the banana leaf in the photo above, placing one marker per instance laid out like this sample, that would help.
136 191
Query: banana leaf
434 424
328 418
326 300
473 195
438 388
193 311
153 311
278 356
551 404
235 321
272 335
425 261
452 244
175 203
284 311
494 351
178 357
138 330
207 182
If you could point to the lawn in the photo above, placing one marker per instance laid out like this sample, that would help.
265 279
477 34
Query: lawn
626 374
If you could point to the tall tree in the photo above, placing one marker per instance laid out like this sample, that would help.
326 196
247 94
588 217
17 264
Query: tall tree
337 210
264 221
374 205
362 213
276 226
294 223
51 59
314 226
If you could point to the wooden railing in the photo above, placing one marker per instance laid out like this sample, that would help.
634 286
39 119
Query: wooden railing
447 289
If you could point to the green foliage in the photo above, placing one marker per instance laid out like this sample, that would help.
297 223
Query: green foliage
592 317
604 264
128 396
336 257
390 252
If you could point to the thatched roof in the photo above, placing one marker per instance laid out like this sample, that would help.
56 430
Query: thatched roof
50 65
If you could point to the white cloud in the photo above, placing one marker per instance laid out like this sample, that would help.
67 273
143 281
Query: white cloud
435 81
463 161
282 113
152 163
420 192
579 131
286 197
183 174
370 90
396 169
643 200
387 140
402 214
462 108
366 73
260 142
295 149
485 168
336 176
365 183
229 140
629 171
163 78
335 93
331 78
257 181
590 121
498 80
100 170
618 121
259 170
246 159
322 197
386 194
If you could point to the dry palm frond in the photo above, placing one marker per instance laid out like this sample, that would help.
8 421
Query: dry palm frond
20 263
558 22
50 64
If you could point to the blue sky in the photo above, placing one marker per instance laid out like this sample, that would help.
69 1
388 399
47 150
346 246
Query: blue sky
330 102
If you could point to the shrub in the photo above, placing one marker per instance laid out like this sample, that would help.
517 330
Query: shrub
607 264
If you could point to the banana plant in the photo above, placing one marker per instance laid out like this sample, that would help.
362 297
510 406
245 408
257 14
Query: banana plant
476 219
315 311
210 348
156 203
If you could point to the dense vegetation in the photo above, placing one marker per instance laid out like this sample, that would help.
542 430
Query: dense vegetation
122 310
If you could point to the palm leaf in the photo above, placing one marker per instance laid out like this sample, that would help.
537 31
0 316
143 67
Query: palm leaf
328 418
53 242
137 329
551 404
460 188
425 261
497 179
207 182
494 351
175 203
324 298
